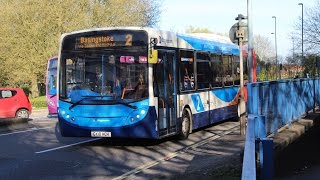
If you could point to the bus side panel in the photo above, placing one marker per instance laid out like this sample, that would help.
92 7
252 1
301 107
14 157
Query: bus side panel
197 102
224 113
223 105
217 115
146 128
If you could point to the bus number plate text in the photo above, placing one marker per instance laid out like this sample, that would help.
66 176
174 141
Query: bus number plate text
100 134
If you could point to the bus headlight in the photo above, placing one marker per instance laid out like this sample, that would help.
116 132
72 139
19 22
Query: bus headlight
137 115
51 103
64 114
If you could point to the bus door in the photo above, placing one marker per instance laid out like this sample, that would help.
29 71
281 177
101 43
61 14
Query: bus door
166 83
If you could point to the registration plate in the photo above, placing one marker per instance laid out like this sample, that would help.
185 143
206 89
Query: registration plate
100 134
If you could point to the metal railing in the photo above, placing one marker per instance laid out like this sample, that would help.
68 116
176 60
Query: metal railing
275 104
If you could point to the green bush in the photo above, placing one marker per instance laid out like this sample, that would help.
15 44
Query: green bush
39 102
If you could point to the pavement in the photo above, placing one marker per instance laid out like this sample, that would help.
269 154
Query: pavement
290 133
43 112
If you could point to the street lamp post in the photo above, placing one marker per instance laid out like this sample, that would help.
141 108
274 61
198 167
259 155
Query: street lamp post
293 55
275 43
301 30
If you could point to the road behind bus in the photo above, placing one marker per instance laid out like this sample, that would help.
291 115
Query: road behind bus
35 150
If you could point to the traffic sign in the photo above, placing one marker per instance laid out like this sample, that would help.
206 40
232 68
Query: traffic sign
238 31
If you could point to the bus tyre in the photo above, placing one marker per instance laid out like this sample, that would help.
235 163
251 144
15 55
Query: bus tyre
22 114
60 130
237 117
185 124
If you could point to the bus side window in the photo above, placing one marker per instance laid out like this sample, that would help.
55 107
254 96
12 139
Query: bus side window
186 71
236 70
216 70
203 70
227 78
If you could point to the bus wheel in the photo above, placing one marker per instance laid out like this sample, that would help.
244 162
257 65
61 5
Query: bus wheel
185 124
60 130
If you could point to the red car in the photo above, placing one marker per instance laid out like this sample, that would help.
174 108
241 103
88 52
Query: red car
14 103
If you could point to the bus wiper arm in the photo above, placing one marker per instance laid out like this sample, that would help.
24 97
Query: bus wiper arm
78 102
128 105
114 102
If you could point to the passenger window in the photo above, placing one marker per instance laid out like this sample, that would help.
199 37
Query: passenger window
186 71
236 70
203 70
216 70
227 67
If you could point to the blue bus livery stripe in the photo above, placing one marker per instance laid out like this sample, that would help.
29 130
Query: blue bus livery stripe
226 94
216 115
197 102
210 45
146 128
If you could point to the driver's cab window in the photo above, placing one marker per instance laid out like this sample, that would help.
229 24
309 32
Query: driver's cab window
74 72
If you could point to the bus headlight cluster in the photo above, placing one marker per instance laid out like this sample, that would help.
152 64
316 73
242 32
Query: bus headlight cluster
66 116
137 115
51 103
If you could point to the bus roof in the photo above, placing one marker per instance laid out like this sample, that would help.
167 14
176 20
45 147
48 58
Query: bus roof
196 41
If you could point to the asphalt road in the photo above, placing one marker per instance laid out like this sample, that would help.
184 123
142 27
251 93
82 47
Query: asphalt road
35 150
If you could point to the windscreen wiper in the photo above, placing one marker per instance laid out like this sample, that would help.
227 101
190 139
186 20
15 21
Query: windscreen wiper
78 102
113 102
126 104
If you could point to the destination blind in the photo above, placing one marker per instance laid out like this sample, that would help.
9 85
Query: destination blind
105 39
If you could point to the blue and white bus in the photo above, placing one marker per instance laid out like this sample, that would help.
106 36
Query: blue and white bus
134 82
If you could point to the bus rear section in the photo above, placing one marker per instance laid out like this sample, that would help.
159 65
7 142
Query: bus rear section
51 90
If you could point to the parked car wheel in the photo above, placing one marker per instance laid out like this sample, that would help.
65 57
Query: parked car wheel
22 113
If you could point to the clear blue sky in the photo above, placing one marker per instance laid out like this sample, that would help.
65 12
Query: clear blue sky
218 16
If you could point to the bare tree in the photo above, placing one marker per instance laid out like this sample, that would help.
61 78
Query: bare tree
311 30
263 48
295 56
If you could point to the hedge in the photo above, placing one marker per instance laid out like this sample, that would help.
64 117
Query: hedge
39 102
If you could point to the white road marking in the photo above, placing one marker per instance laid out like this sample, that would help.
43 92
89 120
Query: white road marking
18 132
173 154
66 146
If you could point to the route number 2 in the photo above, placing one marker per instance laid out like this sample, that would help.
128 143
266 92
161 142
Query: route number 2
128 40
